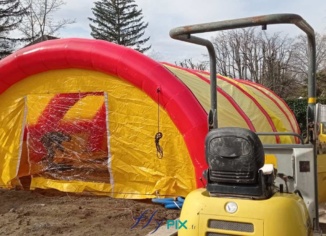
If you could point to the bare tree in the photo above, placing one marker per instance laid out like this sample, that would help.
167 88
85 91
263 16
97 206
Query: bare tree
299 62
40 20
276 73
258 57
155 55
300 56
11 14
189 64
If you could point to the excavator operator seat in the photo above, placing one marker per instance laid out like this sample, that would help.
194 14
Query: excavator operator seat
235 158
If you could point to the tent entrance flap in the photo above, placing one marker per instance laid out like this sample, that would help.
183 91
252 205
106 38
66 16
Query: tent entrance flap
67 137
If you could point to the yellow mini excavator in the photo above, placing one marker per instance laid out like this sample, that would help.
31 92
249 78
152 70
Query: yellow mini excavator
253 188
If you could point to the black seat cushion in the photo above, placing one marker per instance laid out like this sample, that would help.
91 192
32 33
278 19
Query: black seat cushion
234 155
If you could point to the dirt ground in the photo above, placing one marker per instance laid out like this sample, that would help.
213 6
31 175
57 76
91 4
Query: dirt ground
47 212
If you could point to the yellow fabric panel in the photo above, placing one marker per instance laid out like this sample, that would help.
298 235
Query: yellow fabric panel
199 88
228 116
12 116
277 116
41 103
71 186
281 104
134 166
255 114
280 120
135 123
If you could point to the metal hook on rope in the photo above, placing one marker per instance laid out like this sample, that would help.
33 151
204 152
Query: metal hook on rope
159 134
159 149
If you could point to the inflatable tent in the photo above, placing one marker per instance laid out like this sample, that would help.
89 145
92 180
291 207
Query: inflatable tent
87 115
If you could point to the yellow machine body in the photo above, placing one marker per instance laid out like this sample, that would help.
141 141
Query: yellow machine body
322 132
321 141
281 215
239 197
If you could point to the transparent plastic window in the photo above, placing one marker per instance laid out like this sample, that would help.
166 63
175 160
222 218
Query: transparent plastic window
67 136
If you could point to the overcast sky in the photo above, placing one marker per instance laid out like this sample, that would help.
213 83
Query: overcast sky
163 15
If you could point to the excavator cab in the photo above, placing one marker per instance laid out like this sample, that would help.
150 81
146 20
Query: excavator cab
253 188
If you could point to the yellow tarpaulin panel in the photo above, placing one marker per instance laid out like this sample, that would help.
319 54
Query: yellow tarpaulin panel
228 115
12 120
241 104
